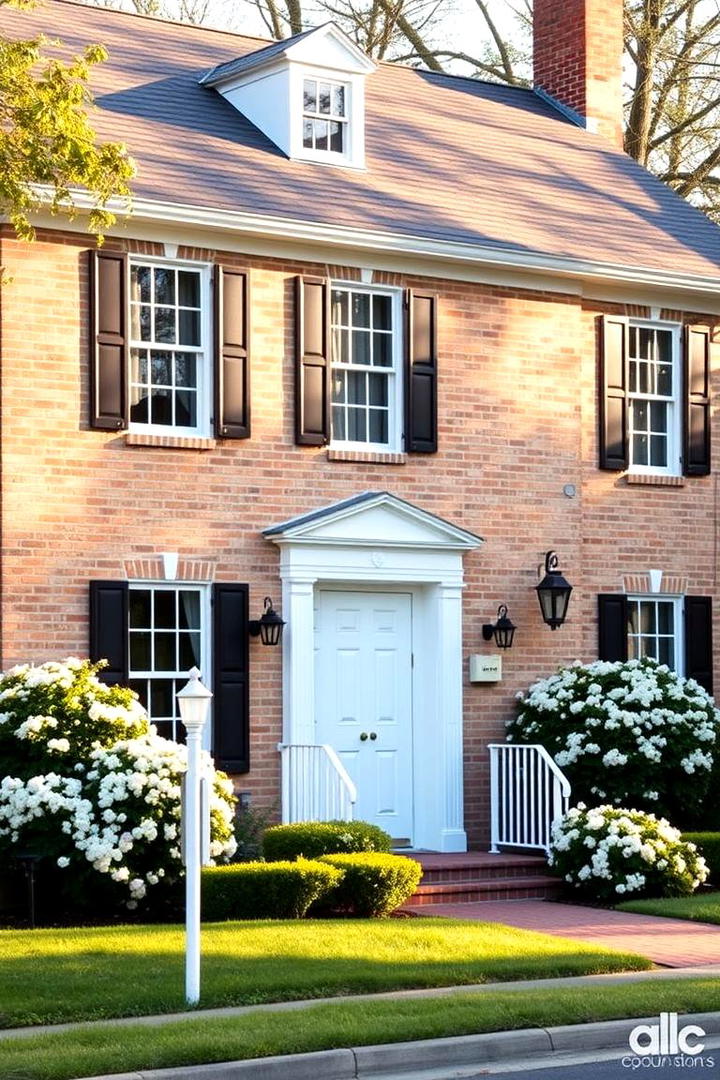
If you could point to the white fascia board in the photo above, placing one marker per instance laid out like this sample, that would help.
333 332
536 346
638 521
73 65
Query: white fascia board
342 53
591 278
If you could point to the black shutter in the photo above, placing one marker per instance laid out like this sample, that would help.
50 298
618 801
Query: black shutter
232 354
614 332
612 626
698 640
108 340
109 629
421 373
312 361
231 728
696 441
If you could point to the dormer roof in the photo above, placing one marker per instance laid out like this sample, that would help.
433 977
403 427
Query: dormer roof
314 47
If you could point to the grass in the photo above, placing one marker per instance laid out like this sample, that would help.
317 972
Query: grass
104 1049
51 976
701 907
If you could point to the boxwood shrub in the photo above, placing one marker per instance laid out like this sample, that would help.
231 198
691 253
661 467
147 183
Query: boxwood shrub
313 838
708 844
373 883
259 890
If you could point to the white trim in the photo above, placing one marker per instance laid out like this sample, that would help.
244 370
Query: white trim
678 637
601 280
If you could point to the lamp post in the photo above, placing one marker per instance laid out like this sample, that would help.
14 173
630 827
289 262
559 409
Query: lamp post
193 701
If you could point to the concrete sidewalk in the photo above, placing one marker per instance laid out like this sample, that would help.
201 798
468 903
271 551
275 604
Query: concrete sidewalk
674 943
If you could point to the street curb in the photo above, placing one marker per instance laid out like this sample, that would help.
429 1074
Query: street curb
395 1058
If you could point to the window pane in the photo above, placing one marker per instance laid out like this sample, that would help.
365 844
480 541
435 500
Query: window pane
340 308
361 347
189 328
338 387
341 346
633 650
664 380
633 618
165 659
382 312
378 389
164 286
658 451
140 277
189 651
161 407
644 346
308 134
139 605
666 652
338 431
360 309
139 413
189 609
647 618
186 408
356 387
309 95
633 376
162 698
378 426
324 98
640 450
165 324
665 613
141 689
145 332
140 651
643 379
338 100
336 136
188 288
356 425
185 370
165 614
161 368
382 350
658 416
320 129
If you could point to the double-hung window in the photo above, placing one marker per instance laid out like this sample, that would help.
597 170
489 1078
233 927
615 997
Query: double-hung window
169 348
325 116
653 400
365 357
654 629
167 636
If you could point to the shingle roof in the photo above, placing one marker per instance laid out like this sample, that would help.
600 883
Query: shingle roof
259 56
448 158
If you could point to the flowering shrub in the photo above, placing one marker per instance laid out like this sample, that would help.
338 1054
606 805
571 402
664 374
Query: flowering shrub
608 854
87 781
631 733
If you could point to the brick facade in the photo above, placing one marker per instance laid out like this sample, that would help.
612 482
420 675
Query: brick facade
518 421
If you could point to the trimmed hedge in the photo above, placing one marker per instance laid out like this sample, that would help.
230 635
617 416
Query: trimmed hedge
373 883
258 890
311 839
708 844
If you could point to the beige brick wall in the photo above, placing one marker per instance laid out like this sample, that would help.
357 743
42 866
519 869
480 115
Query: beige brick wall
517 422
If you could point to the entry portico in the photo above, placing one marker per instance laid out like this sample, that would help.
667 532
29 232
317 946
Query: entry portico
409 563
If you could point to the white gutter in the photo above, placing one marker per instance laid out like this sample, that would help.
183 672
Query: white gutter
344 236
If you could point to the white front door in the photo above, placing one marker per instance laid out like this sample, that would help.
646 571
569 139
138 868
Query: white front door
363 699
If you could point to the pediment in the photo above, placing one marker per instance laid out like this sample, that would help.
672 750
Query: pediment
377 519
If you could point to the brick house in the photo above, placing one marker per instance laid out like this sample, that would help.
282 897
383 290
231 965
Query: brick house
371 343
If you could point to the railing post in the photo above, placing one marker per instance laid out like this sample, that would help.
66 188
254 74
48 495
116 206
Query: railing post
494 802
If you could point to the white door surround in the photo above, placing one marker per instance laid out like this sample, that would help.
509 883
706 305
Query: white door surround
378 541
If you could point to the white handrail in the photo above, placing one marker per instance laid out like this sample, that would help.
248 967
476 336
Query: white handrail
528 791
315 784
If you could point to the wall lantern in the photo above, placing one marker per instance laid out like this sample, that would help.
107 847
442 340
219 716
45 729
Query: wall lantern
553 593
503 630
269 626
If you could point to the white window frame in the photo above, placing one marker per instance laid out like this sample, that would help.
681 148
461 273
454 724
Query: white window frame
674 403
343 121
205 644
203 429
353 155
678 622
395 374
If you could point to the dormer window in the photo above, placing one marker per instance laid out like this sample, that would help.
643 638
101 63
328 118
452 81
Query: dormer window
306 94
324 116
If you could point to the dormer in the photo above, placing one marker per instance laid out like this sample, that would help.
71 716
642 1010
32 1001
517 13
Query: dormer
307 94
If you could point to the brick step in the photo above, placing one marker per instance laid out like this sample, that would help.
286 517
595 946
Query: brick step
477 866
495 888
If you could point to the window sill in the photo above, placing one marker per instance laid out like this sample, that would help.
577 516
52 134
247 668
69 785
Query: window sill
368 457
655 479
170 442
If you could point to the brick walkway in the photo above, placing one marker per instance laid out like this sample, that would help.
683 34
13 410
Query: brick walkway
670 942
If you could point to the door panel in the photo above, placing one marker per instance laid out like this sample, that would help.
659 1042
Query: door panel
363 698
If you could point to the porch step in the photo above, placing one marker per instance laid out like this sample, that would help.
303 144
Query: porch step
474 876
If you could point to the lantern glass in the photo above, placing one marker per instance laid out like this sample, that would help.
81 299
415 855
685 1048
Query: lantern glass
193 701
553 593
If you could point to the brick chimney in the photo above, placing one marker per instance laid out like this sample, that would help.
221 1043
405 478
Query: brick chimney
577 58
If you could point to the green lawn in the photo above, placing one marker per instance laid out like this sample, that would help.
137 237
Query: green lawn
103 1049
50 976
702 907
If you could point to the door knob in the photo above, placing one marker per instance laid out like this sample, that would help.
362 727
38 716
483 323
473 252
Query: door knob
373 735
363 736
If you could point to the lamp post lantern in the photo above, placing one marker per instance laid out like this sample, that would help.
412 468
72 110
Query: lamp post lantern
193 702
